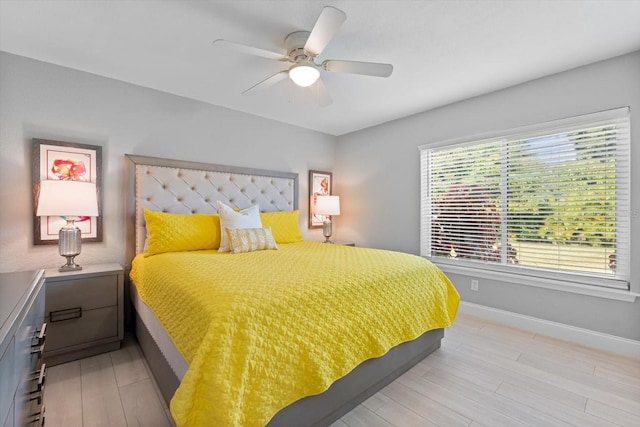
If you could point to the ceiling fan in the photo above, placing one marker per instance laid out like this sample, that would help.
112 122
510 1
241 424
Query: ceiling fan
302 51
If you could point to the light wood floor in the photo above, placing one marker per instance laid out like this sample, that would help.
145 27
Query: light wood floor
485 374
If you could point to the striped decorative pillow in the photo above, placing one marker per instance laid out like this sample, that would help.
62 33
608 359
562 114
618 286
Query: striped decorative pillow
250 239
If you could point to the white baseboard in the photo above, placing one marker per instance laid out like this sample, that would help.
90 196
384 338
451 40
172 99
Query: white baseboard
622 346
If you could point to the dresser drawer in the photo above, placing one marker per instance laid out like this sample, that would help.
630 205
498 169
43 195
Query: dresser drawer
28 357
94 325
7 382
9 421
88 293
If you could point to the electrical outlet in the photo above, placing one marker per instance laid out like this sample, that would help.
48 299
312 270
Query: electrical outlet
474 285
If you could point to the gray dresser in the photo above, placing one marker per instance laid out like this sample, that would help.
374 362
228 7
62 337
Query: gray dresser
22 336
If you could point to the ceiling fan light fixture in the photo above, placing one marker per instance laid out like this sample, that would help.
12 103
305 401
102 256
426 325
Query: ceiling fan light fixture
304 75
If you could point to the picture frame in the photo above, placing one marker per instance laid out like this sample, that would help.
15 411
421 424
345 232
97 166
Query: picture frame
320 184
69 161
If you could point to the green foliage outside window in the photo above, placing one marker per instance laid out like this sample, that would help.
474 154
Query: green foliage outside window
559 196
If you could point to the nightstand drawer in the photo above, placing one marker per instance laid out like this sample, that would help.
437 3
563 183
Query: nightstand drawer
94 325
88 293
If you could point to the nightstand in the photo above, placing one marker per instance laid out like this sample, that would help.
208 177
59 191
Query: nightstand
84 312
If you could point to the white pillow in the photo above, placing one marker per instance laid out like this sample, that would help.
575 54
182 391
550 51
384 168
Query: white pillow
229 218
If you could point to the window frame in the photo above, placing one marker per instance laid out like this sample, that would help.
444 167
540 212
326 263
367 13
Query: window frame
583 283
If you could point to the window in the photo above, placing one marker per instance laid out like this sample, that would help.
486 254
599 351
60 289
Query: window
549 200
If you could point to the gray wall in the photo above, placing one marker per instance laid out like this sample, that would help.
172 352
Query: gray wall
377 175
40 100
376 171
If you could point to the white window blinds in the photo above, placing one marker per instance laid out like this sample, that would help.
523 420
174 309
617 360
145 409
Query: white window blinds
549 200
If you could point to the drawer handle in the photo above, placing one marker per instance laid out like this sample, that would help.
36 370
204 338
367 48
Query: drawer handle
39 391
39 395
38 417
42 333
66 314
39 376
37 350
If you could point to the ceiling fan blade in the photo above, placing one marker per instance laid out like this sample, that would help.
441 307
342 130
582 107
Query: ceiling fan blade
355 67
320 93
243 48
266 83
327 25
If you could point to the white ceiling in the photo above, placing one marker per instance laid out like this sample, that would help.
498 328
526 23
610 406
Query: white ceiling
442 51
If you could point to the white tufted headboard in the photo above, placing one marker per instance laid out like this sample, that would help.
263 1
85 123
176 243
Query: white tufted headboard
191 187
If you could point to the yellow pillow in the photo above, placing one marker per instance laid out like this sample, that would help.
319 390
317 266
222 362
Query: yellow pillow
285 226
250 239
170 232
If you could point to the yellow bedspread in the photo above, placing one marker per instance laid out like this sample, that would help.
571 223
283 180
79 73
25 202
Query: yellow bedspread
261 330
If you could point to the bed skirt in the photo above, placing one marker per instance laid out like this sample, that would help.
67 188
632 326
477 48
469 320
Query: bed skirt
323 409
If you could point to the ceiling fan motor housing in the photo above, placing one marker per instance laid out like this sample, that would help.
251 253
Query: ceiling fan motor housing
294 44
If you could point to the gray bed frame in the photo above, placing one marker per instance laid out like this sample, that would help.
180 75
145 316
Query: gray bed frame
318 410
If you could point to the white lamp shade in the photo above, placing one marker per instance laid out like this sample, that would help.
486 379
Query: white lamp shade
67 198
304 75
327 205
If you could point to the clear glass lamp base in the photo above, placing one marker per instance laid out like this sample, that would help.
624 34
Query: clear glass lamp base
327 231
69 244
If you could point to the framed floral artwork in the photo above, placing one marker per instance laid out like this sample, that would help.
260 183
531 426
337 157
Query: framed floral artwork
319 185
55 160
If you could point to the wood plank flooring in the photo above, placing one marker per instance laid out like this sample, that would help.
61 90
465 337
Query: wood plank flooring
485 374
111 389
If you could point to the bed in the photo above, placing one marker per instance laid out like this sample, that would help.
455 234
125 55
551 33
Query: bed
204 354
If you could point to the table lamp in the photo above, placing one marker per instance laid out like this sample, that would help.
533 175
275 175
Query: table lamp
327 206
68 199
